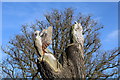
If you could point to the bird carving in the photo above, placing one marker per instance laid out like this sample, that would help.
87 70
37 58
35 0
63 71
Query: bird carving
77 33
42 40
77 36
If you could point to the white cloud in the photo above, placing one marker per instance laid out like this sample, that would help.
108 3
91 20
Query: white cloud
110 41
112 36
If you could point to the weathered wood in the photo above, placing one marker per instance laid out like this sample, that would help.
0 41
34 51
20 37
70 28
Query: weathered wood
75 61
73 67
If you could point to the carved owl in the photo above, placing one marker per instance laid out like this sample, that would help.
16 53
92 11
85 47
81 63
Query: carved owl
77 33
43 39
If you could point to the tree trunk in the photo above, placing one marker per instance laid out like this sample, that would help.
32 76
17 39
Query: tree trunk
73 66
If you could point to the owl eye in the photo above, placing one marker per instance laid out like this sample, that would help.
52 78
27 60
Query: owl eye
43 35
35 34
40 34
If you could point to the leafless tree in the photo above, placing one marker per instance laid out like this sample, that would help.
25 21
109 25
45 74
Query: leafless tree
21 61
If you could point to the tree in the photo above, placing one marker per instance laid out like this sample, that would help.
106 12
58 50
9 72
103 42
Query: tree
21 60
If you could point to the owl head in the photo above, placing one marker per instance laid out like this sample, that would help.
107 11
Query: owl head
77 26
37 33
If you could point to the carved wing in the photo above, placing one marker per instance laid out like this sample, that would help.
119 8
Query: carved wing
47 37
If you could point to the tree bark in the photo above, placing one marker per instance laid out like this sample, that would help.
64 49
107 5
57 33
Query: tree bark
73 67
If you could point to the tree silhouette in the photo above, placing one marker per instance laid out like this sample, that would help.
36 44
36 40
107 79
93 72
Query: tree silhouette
22 59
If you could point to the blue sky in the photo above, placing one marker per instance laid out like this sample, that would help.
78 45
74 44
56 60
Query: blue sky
15 14
60 0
